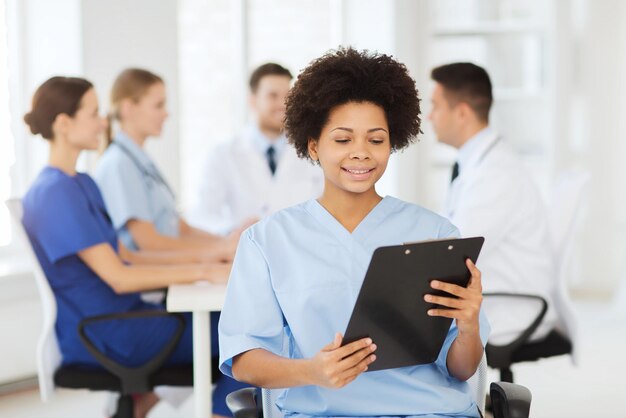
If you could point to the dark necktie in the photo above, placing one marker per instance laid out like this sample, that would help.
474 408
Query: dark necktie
271 159
455 171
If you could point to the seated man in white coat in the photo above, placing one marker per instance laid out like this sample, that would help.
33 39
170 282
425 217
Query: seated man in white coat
492 195
258 172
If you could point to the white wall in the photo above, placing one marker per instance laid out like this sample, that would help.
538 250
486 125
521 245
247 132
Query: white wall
118 34
39 49
412 23
20 324
591 107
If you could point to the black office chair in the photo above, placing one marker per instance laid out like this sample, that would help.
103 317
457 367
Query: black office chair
114 377
502 357
122 379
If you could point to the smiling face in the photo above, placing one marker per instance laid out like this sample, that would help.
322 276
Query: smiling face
353 148
268 101
83 130
445 117
148 114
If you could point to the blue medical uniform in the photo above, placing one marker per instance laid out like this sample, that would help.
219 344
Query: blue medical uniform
134 188
294 283
64 215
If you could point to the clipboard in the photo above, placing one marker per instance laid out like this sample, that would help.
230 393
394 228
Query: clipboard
390 308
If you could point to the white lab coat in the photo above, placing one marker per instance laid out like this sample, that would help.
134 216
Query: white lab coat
237 184
494 197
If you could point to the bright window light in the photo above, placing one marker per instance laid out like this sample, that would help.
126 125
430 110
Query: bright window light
7 151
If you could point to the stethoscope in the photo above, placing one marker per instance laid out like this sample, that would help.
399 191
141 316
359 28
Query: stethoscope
154 175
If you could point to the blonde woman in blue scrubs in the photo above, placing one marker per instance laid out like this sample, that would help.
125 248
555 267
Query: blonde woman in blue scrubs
141 204
297 273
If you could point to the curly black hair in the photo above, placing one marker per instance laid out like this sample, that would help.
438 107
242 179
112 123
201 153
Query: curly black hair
347 75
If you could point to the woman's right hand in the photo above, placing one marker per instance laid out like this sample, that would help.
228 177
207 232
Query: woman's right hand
224 254
217 273
336 366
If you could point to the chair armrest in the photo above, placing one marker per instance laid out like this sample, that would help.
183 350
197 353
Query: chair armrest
500 355
133 379
161 290
243 403
509 400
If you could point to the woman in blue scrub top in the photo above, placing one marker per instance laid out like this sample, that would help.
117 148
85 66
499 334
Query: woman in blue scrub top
297 274
141 203
90 272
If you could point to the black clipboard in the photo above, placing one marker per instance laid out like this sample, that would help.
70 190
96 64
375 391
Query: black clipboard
390 308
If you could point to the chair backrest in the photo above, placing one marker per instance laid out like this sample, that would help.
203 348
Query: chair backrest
48 353
477 384
565 214
270 410
565 211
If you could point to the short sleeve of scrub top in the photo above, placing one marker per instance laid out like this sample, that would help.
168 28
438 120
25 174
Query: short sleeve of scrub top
123 188
72 209
253 288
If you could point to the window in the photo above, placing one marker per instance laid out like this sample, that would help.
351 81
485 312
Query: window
33 47
220 42
7 141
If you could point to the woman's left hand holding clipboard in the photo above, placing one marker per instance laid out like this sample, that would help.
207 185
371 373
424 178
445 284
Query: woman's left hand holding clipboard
465 307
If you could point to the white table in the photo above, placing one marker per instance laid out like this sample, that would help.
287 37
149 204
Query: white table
200 299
